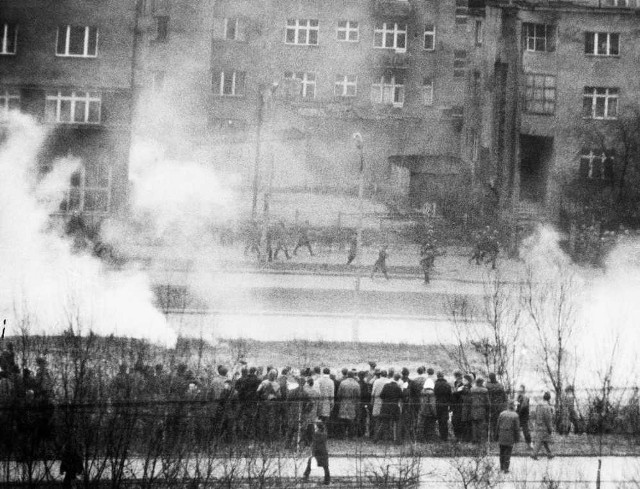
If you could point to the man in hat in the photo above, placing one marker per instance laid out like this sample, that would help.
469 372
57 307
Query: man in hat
508 434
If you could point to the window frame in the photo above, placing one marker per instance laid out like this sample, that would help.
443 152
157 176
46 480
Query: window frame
88 99
432 33
595 44
86 42
343 83
427 91
6 96
589 158
235 28
531 89
5 38
348 29
388 84
298 27
530 38
81 191
396 32
306 79
460 63
595 96
237 89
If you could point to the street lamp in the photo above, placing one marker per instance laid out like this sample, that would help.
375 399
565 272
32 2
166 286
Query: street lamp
355 332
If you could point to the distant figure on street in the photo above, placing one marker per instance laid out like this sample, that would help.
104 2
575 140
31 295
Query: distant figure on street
544 426
303 239
381 263
281 241
353 249
428 253
252 237
508 434
319 452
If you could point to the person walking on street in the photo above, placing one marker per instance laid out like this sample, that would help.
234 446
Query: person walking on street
523 413
381 263
508 434
428 253
319 452
353 249
281 241
303 239
544 426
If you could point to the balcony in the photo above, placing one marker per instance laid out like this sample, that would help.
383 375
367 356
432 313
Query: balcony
392 9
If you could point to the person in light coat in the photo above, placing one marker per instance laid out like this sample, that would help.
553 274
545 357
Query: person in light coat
348 399
544 426
327 389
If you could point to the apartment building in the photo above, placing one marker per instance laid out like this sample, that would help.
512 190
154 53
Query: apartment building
555 73
69 64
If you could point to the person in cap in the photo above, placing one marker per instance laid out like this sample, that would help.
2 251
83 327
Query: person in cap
508 434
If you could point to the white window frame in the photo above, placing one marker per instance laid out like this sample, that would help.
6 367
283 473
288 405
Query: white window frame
307 81
530 41
7 95
479 33
298 26
4 39
83 189
382 29
460 63
591 158
538 90
429 32
610 94
596 38
390 92
76 97
67 33
427 91
342 85
236 89
236 22
349 27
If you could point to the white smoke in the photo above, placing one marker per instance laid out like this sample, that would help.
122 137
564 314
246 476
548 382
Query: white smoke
46 288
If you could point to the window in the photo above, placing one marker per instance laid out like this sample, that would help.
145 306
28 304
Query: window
162 28
229 83
90 189
479 33
307 82
348 31
231 29
427 91
302 32
345 86
459 63
157 80
8 38
388 89
475 87
540 95
539 37
429 37
600 103
73 107
390 35
9 100
462 11
596 164
601 43
79 41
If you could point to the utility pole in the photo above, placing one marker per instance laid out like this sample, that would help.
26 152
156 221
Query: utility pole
355 332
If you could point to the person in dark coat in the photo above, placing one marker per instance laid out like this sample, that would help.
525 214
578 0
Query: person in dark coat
353 249
508 428
497 404
70 464
319 452
522 408
348 400
442 391
456 405
479 411
303 239
391 397
381 263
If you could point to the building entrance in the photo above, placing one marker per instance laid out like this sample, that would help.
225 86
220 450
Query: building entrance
535 154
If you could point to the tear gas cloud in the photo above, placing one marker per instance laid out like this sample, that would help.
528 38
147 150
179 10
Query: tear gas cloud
46 288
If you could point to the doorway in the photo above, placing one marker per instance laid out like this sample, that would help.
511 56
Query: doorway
535 155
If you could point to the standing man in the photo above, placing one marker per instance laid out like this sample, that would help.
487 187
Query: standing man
544 426
349 398
497 404
428 253
353 249
391 397
326 388
508 434
319 452
523 413
281 241
303 239
381 263
479 411
442 391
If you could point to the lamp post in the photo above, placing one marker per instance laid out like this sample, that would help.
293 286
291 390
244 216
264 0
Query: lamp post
355 331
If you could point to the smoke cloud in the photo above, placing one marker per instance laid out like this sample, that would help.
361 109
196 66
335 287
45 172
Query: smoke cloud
46 287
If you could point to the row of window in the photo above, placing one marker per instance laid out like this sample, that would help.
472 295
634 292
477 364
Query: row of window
71 40
61 106
542 38
388 89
